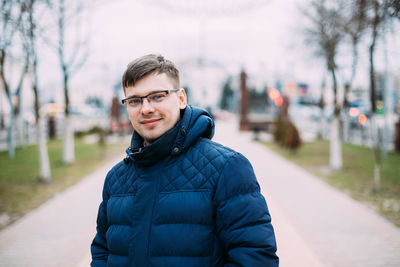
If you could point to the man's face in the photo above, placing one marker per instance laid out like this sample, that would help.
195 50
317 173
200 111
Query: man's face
152 119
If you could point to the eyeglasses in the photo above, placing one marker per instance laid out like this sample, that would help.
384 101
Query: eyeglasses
154 97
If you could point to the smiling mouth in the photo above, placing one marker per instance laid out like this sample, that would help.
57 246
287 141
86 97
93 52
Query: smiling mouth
150 122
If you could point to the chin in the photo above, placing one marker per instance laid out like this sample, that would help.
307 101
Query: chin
150 139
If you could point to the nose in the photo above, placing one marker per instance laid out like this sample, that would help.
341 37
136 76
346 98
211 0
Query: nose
146 107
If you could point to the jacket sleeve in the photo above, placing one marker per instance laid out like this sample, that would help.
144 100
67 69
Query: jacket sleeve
99 248
242 218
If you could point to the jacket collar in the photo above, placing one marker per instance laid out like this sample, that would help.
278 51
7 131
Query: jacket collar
194 123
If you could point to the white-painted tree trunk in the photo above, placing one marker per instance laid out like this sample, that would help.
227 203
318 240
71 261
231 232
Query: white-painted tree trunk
346 126
20 130
335 159
68 141
376 143
44 162
10 135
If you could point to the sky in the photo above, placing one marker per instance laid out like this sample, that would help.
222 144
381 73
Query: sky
261 37
137 27
264 37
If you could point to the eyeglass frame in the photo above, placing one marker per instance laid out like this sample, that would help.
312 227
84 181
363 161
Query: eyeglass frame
123 101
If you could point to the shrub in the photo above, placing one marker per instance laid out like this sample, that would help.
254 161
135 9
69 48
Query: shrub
292 137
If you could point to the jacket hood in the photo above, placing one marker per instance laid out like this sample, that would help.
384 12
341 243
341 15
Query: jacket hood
194 123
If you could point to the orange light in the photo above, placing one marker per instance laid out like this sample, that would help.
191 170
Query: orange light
278 101
274 94
362 119
354 112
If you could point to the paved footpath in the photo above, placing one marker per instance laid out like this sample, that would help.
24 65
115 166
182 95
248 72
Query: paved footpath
315 224
60 231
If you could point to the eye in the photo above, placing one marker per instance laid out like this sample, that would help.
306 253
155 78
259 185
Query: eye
157 96
134 101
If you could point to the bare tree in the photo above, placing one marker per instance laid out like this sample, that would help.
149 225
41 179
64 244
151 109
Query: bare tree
32 32
354 26
18 107
10 20
325 33
72 54
378 14
321 105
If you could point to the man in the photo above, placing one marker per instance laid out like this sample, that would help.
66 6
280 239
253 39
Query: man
178 198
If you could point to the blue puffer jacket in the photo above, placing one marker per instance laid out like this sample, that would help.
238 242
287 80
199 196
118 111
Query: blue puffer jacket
183 201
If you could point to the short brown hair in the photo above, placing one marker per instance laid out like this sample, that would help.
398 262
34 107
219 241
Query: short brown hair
149 64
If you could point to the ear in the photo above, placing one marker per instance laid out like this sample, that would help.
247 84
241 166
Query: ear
182 98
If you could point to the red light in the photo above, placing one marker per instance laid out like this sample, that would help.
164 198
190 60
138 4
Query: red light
362 119
354 112
278 101
274 94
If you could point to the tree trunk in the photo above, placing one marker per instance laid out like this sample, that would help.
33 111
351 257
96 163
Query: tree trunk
68 142
345 126
44 162
322 124
45 174
321 104
374 127
376 144
68 148
10 135
335 159
335 143
10 129
371 62
18 108
347 89
19 120
354 63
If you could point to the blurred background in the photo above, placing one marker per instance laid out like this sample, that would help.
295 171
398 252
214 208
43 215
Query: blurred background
316 81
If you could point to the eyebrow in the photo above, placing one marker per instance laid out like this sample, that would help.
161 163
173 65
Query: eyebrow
151 92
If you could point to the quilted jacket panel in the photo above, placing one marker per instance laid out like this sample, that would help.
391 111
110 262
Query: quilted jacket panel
198 206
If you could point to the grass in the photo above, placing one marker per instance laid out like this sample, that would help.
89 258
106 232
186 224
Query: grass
356 175
20 189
